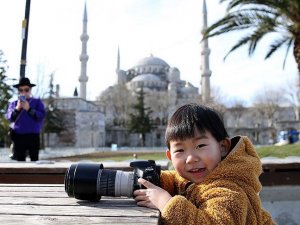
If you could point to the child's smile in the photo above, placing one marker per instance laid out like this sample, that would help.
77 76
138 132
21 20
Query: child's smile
197 173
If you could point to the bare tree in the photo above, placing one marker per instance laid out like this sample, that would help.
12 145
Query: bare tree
218 100
158 102
267 103
291 96
116 101
237 109
42 81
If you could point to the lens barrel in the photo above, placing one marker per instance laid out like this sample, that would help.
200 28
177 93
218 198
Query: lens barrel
106 183
88 181
81 181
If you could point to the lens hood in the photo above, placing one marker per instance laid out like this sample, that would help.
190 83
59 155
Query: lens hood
81 181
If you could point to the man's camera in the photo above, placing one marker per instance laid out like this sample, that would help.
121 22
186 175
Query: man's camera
90 181
22 98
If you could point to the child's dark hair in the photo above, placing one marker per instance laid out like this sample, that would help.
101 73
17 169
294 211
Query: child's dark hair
183 122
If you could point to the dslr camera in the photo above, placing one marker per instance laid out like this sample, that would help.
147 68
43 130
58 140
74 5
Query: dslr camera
90 181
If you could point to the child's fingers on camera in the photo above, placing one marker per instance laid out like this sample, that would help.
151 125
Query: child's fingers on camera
141 198
146 183
139 192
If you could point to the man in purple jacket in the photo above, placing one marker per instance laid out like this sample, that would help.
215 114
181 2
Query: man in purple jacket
26 116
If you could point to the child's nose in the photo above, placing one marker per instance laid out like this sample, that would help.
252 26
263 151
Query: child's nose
192 157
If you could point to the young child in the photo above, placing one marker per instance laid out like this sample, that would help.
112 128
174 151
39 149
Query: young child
216 178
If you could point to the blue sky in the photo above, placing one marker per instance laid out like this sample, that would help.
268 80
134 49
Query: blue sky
169 29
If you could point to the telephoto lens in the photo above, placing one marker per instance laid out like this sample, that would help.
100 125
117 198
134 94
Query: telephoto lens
90 181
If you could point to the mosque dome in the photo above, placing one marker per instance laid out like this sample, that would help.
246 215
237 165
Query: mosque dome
188 90
146 78
150 81
151 61
152 65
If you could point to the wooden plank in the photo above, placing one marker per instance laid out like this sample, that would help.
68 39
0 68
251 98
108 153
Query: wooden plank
281 166
88 210
32 185
49 204
280 178
35 194
60 167
44 194
105 201
36 178
80 220
31 188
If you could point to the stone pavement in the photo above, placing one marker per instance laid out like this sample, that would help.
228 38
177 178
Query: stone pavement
49 153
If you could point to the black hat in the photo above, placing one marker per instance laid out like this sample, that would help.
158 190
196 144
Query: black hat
24 81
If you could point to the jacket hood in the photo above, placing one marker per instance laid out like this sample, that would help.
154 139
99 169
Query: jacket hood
242 165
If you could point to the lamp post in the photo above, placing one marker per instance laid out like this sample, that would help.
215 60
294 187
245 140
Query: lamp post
25 25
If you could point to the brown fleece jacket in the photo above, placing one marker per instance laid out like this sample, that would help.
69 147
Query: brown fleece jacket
228 195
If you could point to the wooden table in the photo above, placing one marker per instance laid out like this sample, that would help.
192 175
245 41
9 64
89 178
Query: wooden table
49 204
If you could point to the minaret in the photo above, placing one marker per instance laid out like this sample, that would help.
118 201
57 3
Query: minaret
205 52
83 57
121 74
118 60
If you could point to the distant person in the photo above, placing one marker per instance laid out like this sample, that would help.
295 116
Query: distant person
26 116
215 179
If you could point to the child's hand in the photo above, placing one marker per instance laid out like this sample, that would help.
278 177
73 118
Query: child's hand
152 197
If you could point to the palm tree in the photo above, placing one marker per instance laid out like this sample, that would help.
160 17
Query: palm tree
262 17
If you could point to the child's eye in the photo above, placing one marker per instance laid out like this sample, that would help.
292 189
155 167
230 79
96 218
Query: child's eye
200 146
178 150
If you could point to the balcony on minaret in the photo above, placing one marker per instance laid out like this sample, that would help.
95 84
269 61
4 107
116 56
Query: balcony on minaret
84 37
84 57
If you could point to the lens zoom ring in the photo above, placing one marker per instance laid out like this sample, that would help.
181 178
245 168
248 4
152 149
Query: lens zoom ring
107 183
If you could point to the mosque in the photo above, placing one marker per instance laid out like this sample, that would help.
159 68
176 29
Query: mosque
155 75
91 124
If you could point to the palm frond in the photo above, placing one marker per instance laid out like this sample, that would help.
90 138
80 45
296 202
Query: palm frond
289 44
240 20
239 44
260 17
275 46
265 27
268 3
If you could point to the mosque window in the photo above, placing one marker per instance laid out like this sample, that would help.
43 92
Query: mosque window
164 121
158 136
115 121
157 121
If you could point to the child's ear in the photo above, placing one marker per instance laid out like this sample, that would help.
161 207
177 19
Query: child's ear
168 154
225 146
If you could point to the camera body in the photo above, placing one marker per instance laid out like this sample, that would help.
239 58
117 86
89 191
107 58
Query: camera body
147 170
22 98
90 181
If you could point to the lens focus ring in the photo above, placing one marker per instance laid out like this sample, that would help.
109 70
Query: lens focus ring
107 183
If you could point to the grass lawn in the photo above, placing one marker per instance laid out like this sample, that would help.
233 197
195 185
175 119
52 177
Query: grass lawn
116 156
263 151
279 151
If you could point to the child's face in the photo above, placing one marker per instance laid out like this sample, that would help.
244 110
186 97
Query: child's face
194 158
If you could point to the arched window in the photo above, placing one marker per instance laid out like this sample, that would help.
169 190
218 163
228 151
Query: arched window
157 121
